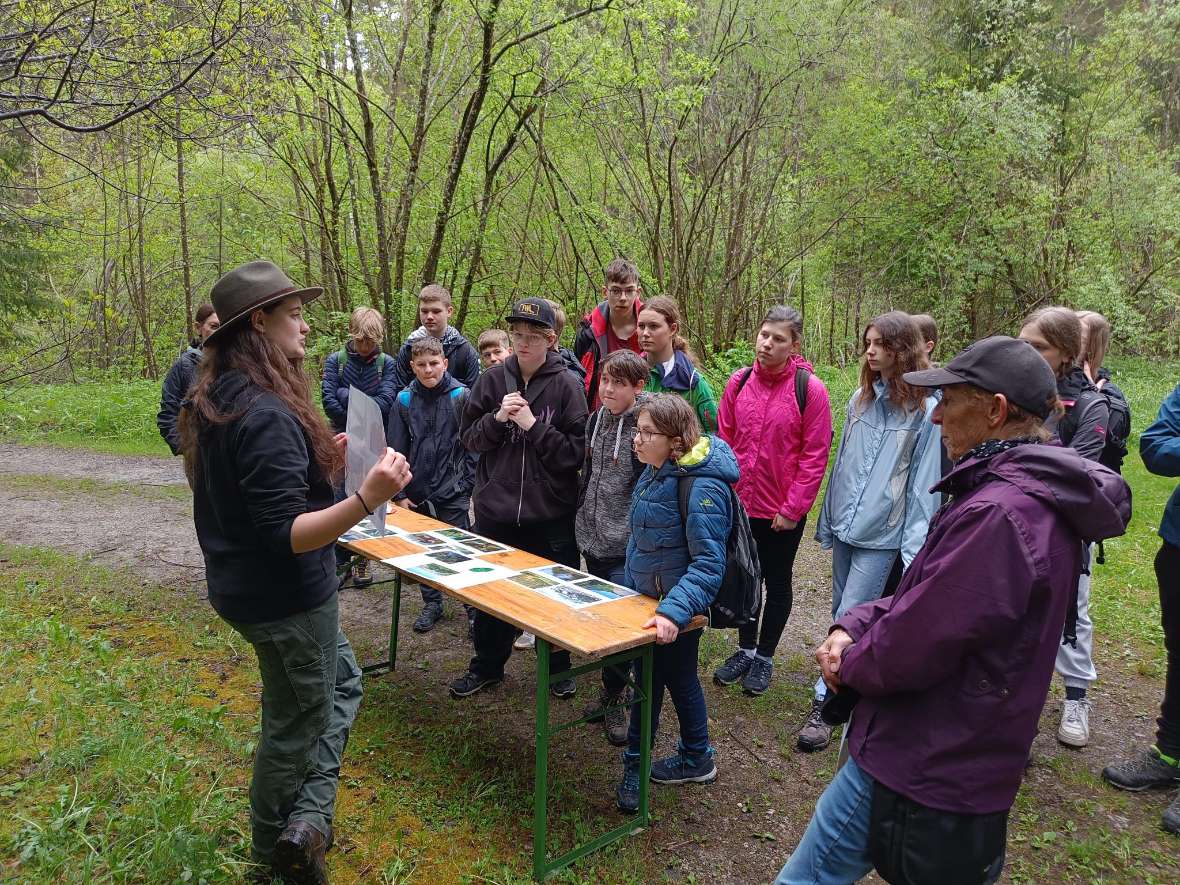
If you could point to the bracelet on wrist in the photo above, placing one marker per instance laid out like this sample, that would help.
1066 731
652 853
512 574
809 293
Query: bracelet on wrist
363 504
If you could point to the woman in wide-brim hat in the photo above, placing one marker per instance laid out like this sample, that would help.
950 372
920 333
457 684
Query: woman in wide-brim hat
261 460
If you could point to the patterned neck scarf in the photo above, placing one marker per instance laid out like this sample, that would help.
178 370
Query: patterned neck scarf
992 447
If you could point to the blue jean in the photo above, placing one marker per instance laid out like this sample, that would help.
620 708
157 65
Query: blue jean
614 679
834 849
674 667
858 575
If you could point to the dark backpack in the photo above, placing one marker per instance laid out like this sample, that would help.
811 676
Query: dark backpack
1118 429
739 599
802 376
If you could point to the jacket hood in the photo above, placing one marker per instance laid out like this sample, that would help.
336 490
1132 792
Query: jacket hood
711 456
1072 385
553 364
683 375
350 349
448 337
795 363
571 362
1094 501
599 317
445 385
228 388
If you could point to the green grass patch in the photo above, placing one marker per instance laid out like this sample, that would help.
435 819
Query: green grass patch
93 488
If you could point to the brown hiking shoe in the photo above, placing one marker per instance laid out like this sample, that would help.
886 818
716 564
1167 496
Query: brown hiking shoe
815 733
299 855
615 723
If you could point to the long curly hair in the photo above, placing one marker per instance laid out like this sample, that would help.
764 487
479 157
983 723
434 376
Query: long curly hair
247 350
900 335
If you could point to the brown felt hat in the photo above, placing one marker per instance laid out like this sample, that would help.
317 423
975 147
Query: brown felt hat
250 286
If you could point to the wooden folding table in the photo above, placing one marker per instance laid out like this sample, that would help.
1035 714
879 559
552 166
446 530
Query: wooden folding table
609 633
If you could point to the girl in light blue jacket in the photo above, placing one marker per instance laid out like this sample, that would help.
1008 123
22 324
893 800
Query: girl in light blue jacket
878 502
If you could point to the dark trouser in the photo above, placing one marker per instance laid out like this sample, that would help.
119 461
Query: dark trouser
1167 573
894 579
776 554
311 689
674 667
614 679
452 514
493 638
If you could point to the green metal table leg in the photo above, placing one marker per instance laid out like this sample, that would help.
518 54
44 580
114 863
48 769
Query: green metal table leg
385 666
541 775
645 737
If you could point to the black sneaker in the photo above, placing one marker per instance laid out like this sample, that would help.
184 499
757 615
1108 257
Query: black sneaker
615 722
1142 773
1171 818
430 615
815 733
627 792
733 669
563 688
469 683
757 679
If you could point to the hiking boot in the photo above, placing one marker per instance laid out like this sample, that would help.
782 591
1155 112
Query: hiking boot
733 669
1074 730
563 688
757 680
683 768
627 792
524 641
299 855
615 723
1171 819
1142 773
360 574
430 615
815 733
469 683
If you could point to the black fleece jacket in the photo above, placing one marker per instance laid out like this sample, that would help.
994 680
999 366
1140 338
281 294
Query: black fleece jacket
527 477
255 475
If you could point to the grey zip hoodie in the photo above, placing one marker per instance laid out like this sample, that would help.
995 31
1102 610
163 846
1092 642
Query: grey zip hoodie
608 478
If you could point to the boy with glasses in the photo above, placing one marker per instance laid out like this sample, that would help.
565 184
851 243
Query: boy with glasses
526 419
611 326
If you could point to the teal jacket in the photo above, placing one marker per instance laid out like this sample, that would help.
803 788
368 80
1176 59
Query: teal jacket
682 565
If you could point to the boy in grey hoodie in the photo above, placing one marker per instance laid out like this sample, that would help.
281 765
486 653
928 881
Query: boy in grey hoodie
609 474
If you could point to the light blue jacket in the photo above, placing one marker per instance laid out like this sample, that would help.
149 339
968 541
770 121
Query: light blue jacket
878 495
1159 447
681 565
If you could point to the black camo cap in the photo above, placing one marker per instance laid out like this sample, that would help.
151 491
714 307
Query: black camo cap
998 365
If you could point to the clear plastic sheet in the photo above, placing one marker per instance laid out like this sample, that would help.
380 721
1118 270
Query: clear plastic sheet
366 445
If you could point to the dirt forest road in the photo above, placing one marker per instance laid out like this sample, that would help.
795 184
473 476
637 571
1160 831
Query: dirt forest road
136 513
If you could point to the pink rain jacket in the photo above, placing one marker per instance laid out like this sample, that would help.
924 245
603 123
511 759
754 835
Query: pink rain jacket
782 455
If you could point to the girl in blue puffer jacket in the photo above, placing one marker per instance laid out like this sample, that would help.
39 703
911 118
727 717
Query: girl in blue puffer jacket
681 563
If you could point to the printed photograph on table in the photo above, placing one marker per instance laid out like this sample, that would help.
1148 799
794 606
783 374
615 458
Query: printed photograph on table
575 596
454 575
362 531
432 570
455 535
451 557
483 545
605 588
561 573
426 539
534 581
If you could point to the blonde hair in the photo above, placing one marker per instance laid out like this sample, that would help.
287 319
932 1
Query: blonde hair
676 419
488 337
434 293
558 316
367 323
1096 337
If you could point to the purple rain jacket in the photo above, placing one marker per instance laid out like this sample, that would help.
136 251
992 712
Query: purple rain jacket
953 670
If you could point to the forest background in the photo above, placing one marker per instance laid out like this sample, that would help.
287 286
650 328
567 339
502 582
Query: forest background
973 160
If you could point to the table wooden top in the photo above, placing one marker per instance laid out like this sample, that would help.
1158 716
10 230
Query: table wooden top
595 631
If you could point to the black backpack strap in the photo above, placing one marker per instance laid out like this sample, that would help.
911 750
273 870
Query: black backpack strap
683 489
510 385
742 381
802 377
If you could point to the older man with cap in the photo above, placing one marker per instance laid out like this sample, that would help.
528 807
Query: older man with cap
527 420
950 674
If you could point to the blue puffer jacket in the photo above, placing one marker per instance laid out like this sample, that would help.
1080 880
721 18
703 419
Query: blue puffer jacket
682 567
359 372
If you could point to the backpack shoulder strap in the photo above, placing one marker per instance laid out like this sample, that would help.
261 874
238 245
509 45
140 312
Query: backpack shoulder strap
510 385
742 381
341 359
403 398
802 377
683 489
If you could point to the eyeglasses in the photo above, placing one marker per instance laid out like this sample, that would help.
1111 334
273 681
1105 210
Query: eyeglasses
526 338
646 436
619 292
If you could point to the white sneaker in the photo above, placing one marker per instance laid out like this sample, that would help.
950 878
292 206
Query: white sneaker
525 640
1074 730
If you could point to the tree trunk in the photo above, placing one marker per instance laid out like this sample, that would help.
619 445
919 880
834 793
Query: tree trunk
182 206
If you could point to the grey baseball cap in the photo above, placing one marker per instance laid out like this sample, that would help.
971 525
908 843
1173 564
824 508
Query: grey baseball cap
998 365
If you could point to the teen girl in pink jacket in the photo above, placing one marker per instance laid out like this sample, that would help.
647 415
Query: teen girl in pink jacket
782 453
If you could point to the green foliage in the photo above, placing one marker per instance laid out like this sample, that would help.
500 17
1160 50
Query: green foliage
109 416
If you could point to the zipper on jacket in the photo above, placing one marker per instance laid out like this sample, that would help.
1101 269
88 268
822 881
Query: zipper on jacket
523 452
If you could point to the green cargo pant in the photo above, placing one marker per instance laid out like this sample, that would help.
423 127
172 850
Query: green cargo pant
311 689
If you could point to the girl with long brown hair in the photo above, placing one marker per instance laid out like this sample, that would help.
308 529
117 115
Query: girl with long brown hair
261 461
673 364
878 502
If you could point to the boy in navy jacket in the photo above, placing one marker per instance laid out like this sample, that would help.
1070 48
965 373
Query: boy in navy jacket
424 425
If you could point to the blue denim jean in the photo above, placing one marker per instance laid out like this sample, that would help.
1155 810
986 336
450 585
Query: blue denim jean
858 575
674 667
834 849
614 679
